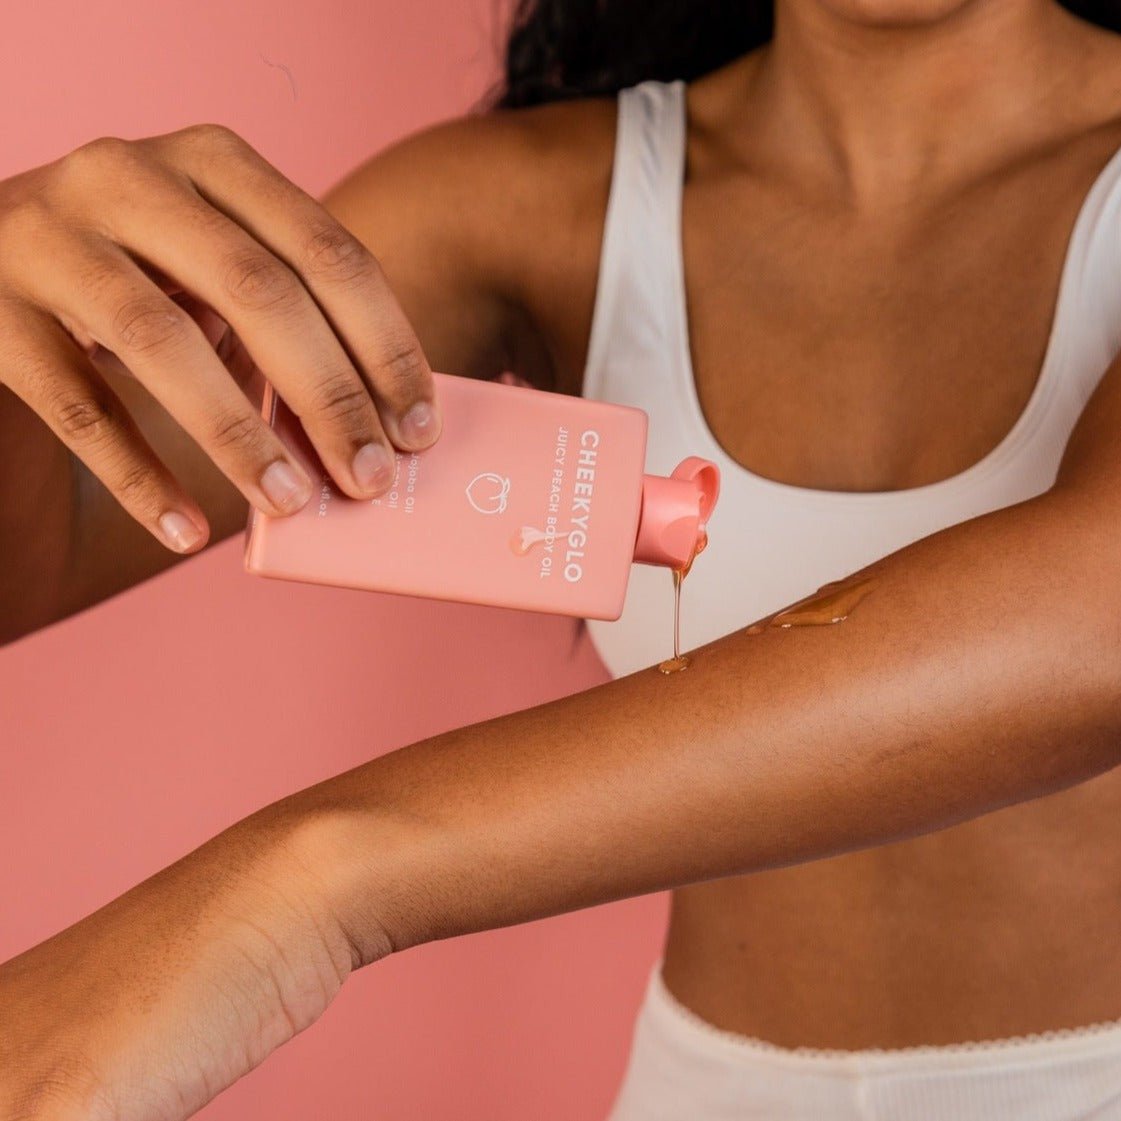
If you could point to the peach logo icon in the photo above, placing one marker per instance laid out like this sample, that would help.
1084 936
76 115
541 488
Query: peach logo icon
488 492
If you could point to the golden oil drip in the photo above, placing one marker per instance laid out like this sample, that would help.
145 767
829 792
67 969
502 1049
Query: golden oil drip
831 603
681 661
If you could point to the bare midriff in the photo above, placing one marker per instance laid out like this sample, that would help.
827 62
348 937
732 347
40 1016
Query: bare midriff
1001 927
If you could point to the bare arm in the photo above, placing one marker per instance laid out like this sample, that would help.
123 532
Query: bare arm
980 670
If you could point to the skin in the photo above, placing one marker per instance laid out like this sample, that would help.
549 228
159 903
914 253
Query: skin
881 780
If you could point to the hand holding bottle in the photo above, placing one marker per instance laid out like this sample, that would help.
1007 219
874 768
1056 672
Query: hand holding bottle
119 251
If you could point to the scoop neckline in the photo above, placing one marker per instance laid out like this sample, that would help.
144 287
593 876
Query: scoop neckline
1043 391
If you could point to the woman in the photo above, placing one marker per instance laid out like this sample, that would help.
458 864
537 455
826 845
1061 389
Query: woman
899 223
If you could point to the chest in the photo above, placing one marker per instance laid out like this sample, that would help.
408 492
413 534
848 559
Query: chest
855 352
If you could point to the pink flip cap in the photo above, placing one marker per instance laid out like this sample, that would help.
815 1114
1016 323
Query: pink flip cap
675 511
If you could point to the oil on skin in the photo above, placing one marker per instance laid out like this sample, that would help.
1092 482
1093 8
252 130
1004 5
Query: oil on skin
831 603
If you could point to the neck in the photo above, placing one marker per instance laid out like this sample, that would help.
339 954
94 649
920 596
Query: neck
888 109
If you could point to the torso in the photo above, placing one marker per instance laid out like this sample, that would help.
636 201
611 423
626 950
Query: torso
847 351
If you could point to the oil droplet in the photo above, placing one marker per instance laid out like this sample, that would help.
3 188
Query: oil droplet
702 544
831 603
674 665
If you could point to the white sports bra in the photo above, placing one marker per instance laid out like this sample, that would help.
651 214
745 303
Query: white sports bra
772 543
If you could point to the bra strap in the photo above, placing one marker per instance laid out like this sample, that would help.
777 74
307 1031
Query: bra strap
636 317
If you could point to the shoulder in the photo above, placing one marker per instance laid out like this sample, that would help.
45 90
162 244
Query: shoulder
551 132
490 179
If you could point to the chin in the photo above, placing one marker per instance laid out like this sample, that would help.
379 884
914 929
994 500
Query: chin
891 14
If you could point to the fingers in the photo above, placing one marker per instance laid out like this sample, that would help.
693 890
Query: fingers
49 371
222 337
122 249
277 321
344 278
96 284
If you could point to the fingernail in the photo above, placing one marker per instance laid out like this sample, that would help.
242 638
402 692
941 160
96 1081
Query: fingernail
179 531
373 467
284 488
420 425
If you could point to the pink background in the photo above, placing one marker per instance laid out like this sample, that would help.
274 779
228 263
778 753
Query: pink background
130 733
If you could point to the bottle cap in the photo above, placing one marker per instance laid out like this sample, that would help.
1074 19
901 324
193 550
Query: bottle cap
674 513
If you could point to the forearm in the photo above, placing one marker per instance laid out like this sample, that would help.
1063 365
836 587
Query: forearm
980 670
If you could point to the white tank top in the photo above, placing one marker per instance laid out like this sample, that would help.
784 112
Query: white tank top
772 543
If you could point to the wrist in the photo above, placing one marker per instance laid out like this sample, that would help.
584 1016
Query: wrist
340 866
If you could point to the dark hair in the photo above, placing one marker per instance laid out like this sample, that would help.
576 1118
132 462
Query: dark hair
560 49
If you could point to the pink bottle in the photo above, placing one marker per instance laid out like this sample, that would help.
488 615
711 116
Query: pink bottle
528 499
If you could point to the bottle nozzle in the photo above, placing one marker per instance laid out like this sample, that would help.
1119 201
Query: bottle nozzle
675 511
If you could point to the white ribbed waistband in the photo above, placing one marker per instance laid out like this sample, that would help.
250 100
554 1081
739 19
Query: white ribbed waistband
692 1030
684 1069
